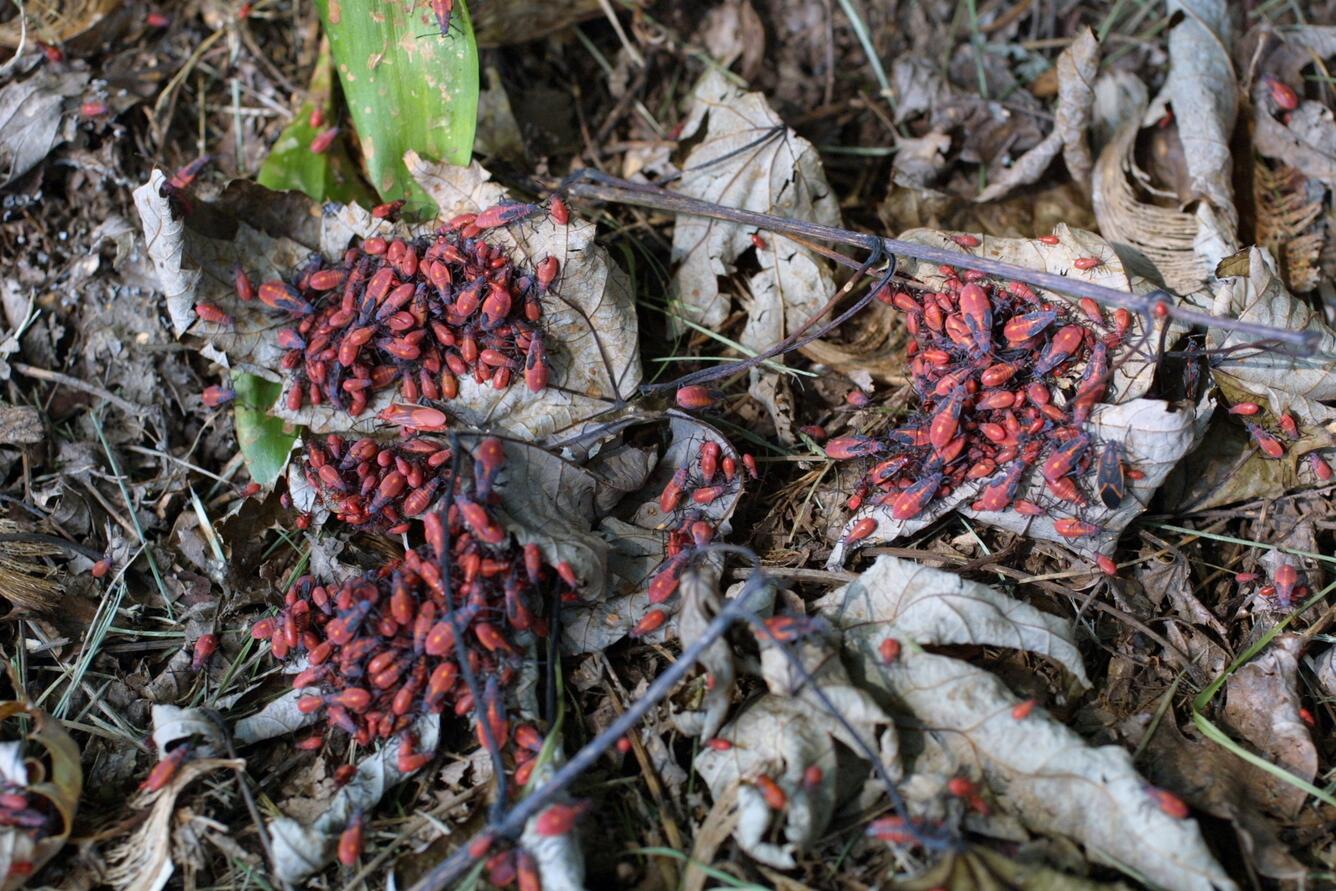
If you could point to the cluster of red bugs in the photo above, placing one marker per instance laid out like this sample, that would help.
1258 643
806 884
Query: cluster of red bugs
417 315
380 485
1272 445
711 475
1287 584
988 362
384 647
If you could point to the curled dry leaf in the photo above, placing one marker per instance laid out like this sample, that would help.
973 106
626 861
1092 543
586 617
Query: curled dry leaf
1214 780
980 868
1305 138
1034 767
780 737
639 547
43 764
700 605
589 312
29 582
1126 201
1076 67
144 860
1262 705
172 724
1200 91
303 849
747 158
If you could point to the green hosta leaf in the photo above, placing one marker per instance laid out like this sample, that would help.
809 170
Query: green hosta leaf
407 87
265 441
292 166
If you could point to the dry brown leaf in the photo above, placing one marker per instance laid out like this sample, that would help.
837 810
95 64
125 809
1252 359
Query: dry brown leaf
1217 782
1289 223
145 860
1076 70
25 580
982 869
506 22
1200 89
1262 704
33 120
1166 575
1036 768
55 23
1182 247
1306 137
748 159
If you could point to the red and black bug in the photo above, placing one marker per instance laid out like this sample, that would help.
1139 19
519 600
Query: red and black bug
1111 480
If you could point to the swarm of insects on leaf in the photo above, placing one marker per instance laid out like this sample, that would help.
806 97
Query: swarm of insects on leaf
708 476
404 640
1005 382
378 485
418 315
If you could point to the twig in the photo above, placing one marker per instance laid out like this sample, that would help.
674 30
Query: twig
595 186
737 609
243 784
74 383
443 874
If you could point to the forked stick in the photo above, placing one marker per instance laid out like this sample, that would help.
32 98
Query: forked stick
596 186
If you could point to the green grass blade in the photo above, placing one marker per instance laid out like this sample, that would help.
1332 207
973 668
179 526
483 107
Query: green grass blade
292 166
407 87
1222 739
265 441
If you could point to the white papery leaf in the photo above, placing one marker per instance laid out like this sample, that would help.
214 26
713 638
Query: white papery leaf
748 159
1276 375
560 858
903 599
1154 435
303 849
638 548
278 718
1035 767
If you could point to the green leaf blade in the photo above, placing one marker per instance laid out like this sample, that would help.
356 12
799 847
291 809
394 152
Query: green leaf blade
292 166
265 441
407 87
